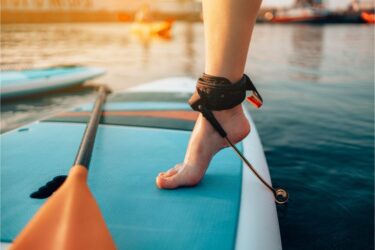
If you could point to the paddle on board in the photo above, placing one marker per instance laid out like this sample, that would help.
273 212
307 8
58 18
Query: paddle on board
71 218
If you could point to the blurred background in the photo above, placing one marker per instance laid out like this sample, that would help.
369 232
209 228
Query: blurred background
312 60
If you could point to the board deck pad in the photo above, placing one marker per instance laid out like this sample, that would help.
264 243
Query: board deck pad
161 110
125 162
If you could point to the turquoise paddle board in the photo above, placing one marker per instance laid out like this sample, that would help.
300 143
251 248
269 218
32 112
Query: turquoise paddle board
143 131
27 82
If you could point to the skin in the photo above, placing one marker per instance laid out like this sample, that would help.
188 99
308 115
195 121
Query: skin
228 26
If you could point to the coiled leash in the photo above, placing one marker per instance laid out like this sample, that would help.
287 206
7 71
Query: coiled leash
218 93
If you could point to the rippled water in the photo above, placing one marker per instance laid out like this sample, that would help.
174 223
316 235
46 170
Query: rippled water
317 124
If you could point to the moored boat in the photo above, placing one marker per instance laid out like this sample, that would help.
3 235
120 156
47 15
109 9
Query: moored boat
159 28
298 15
146 26
368 17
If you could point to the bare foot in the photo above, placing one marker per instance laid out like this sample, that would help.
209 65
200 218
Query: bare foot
204 143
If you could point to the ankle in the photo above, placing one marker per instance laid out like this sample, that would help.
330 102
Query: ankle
233 77
229 113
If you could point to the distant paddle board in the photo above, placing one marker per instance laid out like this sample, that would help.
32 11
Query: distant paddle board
27 82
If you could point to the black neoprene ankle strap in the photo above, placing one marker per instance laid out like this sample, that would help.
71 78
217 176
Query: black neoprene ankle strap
218 93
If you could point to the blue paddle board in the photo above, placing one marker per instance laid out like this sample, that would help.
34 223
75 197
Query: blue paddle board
143 131
27 82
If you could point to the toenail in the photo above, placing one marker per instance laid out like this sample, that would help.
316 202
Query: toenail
157 182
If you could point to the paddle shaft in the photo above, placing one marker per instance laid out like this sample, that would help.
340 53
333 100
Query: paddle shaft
85 149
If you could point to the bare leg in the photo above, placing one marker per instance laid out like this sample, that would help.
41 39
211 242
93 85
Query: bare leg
228 25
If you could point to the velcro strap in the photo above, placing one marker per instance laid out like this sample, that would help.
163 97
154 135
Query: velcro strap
218 93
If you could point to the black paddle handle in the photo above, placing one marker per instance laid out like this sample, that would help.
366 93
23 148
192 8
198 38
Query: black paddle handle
85 149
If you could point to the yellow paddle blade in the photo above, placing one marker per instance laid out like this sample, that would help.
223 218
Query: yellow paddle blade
70 219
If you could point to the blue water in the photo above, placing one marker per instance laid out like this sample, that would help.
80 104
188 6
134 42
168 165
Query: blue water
317 127
317 123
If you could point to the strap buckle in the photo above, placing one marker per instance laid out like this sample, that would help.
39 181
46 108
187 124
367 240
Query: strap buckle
254 97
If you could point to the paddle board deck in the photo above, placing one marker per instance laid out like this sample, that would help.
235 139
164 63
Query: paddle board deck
26 82
143 131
